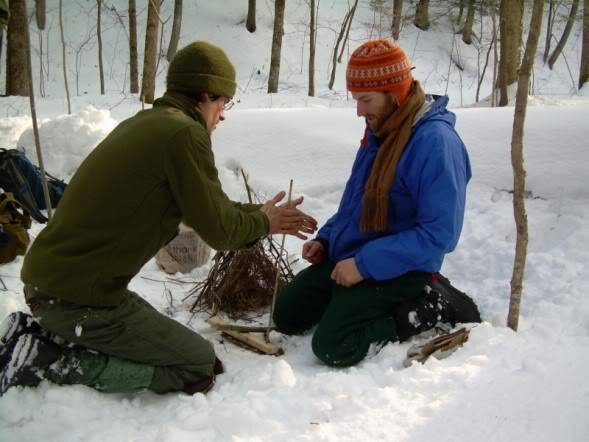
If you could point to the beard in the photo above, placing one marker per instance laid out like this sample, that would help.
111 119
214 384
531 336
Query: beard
377 119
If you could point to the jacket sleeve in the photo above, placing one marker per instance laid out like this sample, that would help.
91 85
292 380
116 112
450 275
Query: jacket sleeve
247 207
437 184
189 165
325 231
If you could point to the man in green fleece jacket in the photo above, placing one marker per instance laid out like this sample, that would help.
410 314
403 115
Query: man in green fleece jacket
125 201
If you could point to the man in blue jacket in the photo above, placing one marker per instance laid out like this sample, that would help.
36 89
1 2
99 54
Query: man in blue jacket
401 212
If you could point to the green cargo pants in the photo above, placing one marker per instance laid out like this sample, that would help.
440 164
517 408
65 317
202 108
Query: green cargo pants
349 319
124 348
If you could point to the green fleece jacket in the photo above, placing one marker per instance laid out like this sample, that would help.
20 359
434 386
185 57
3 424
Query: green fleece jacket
126 200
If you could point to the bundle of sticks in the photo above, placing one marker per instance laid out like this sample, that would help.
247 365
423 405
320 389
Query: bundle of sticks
245 282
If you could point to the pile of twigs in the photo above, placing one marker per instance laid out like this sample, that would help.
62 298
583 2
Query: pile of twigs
241 282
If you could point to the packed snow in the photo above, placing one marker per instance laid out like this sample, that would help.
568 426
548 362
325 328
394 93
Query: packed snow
501 386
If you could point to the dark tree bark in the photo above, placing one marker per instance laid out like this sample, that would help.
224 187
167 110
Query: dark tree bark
176 26
565 35
517 161
467 31
397 18
17 50
276 46
312 41
133 69
150 56
422 15
250 23
40 14
549 24
99 35
584 71
510 28
63 59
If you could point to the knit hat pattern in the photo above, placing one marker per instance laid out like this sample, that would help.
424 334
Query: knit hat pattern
201 67
380 66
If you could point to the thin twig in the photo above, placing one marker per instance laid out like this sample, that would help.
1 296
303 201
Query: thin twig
247 186
277 280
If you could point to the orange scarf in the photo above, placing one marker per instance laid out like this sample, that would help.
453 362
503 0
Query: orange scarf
396 131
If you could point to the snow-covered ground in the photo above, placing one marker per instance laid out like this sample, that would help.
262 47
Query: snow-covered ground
501 386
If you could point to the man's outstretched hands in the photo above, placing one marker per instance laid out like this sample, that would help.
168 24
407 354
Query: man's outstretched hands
313 251
286 218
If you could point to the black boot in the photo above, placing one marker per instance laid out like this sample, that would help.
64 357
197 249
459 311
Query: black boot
465 310
30 358
15 325
439 303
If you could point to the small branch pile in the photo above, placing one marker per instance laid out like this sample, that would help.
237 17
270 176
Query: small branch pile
241 282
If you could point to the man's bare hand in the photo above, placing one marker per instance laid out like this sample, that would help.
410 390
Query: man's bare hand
346 273
313 251
286 218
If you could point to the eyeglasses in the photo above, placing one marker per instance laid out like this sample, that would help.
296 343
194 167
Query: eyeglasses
228 103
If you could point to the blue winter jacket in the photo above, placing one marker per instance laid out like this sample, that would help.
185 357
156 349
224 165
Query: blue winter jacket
426 202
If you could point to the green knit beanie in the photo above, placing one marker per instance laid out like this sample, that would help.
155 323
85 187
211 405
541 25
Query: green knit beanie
201 67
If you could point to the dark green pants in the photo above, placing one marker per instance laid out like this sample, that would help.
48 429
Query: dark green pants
349 319
124 348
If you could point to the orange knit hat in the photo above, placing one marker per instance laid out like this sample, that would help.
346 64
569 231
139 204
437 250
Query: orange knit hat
380 66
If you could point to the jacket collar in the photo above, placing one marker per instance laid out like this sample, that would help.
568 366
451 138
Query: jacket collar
433 105
189 106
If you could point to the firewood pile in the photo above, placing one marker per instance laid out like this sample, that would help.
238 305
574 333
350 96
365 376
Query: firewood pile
241 282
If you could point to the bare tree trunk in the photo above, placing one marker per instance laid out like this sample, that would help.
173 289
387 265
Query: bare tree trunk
565 35
176 25
29 80
1 43
348 26
345 26
510 24
16 50
312 41
517 162
493 39
40 14
462 5
467 31
422 15
99 34
549 24
397 18
250 23
584 70
133 69
63 60
495 54
150 53
41 77
276 46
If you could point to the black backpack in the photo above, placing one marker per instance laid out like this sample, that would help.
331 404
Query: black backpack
23 179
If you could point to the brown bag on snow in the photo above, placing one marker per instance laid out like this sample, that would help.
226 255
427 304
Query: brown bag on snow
184 253
14 223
